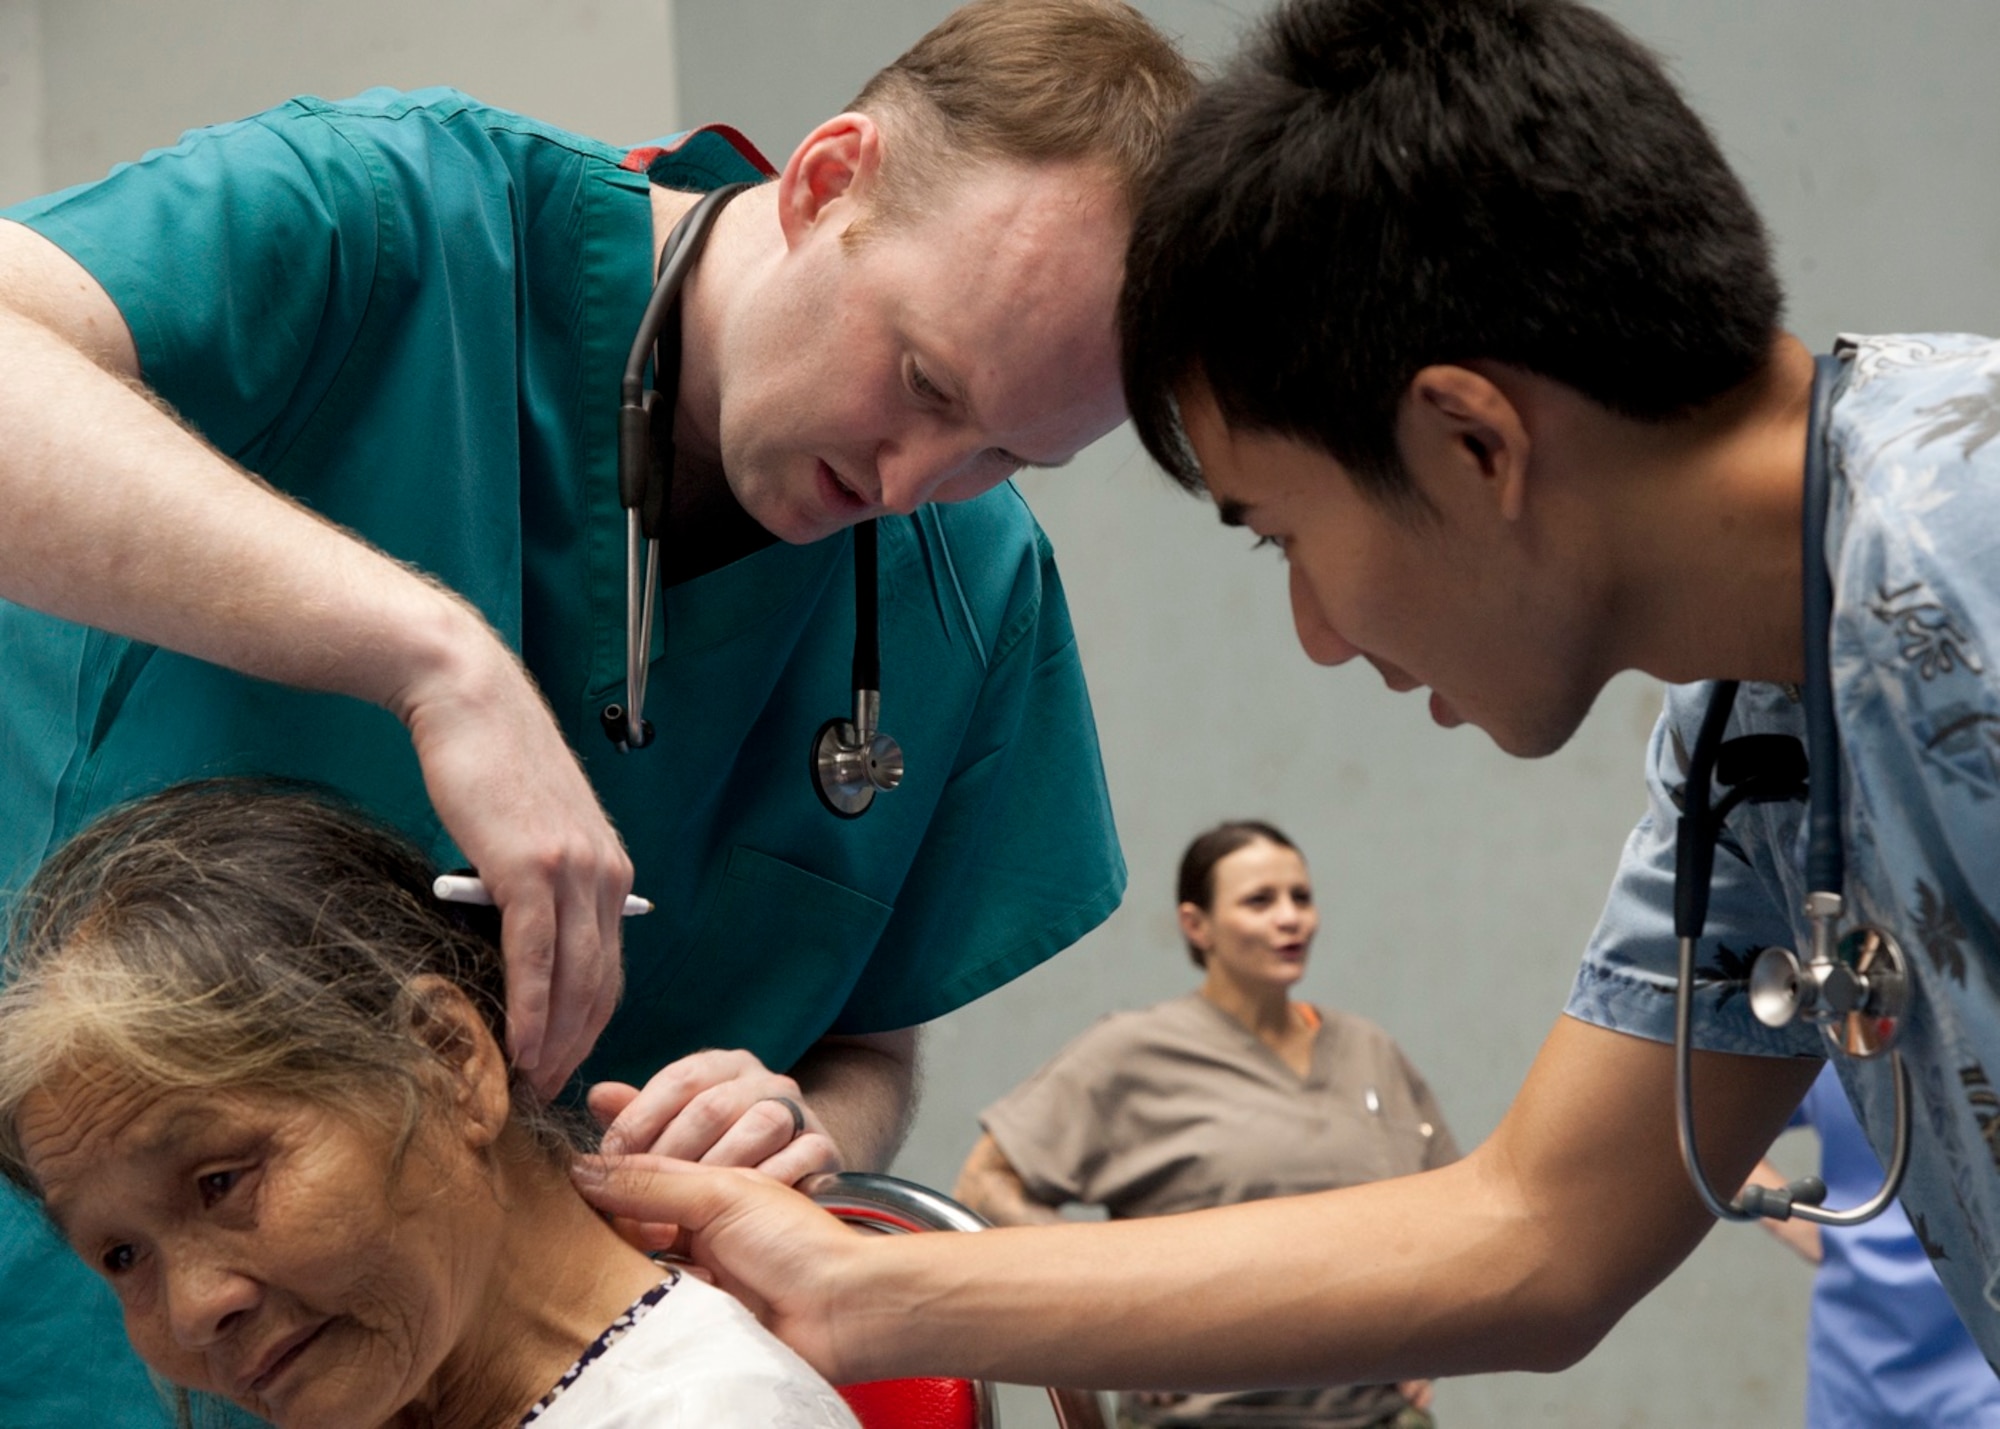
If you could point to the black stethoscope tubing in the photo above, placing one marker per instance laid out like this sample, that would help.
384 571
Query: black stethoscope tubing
851 760
646 458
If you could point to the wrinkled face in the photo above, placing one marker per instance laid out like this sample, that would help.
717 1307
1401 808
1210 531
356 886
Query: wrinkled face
1259 925
931 358
1458 604
263 1249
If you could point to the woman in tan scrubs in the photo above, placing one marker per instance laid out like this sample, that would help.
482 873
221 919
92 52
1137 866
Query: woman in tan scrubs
1234 1092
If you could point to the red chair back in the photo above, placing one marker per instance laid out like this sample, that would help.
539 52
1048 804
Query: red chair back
888 1206
914 1403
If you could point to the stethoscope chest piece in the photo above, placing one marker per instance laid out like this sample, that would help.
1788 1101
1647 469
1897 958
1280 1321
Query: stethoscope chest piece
849 766
1857 995
852 760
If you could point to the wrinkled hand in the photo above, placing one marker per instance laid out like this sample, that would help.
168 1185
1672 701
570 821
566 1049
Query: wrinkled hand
717 1108
764 1243
512 795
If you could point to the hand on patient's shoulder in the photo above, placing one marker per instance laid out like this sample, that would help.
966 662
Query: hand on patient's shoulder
720 1108
766 1244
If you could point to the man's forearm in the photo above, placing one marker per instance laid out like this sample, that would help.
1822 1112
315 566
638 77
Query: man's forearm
864 1092
1241 1297
121 518
1519 1257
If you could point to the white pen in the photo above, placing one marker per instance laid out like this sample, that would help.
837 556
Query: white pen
460 888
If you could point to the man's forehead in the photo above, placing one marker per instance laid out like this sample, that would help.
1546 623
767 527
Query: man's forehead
1244 468
1005 286
1051 194
1040 241
1043 373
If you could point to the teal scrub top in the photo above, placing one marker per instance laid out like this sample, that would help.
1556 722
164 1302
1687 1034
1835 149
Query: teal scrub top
411 312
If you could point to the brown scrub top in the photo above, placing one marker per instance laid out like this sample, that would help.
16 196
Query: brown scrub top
1180 1107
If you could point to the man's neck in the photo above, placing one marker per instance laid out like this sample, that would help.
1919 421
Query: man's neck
707 528
1696 526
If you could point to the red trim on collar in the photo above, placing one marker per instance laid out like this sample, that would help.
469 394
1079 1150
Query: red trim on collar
641 159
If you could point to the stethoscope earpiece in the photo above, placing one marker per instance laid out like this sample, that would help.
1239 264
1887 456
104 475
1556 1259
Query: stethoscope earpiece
622 732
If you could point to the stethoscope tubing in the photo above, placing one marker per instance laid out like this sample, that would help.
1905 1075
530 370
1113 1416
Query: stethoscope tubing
1769 1204
1701 824
1826 850
637 456
850 761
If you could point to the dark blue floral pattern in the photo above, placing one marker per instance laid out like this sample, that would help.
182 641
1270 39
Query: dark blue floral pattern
613 1333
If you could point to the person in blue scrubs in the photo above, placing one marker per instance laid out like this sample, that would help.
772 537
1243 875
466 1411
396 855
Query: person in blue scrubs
1884 1348
311 470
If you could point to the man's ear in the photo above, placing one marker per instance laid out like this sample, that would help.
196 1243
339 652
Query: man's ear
1456 423
833 170
474 1067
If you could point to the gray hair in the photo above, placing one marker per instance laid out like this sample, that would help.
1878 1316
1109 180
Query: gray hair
242 935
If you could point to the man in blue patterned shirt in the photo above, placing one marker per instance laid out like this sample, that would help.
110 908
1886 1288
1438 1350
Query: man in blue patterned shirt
1457 304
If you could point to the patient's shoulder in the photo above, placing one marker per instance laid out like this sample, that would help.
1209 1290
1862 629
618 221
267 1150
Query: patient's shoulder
694 1357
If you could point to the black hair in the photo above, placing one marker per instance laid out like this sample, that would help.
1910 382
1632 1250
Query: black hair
1195 883
1375 186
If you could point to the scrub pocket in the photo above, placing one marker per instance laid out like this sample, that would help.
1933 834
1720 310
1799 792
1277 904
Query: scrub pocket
769 968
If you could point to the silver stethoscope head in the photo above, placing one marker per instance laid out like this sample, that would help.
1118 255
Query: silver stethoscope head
851 759
1853 985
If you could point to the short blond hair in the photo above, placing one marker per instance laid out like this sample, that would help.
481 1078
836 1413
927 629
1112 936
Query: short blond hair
1031 82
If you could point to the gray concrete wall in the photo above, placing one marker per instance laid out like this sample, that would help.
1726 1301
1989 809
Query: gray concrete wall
1458 885
118 77
21 106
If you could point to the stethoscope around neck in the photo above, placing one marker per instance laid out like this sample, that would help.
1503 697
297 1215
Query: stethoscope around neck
1854 985
850 759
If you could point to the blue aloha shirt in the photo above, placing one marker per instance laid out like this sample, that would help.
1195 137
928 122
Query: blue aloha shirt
1913 544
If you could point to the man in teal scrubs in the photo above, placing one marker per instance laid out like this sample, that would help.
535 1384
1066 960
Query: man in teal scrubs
408 314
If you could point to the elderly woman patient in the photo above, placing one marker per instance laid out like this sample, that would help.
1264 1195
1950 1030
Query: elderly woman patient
250 1069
